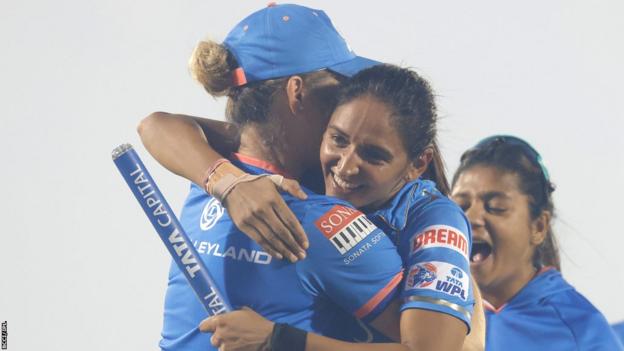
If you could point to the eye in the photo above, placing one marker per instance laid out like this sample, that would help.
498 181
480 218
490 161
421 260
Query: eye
495 208
374 155
462 203
373 158
339 140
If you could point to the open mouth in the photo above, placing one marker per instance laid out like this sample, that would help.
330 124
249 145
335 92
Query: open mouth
480 251
343 184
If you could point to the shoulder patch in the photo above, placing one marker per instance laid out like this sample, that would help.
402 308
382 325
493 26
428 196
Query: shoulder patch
345 227
440 236
441 277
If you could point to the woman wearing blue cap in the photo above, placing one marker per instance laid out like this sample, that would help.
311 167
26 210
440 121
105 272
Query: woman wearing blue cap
380 141
281 119
506 193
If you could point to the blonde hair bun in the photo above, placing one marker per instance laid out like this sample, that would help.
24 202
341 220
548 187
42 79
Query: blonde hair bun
211 64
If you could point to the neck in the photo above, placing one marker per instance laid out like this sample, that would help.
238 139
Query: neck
270 148
500 292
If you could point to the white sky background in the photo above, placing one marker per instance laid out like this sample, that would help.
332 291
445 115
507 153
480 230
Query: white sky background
80 265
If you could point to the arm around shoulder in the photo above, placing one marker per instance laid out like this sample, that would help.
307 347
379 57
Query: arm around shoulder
180 143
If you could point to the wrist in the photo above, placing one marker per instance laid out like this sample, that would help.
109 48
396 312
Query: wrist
221 172
287 338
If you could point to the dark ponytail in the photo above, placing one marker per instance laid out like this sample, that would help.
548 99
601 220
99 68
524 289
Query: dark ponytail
436 171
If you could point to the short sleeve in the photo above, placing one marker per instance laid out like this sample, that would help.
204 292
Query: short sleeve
436 248
350 261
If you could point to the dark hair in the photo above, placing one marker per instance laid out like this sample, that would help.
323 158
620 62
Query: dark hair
213 65
510 154
414 111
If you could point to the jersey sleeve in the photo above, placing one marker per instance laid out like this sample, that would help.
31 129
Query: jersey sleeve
589 327
350 261
436 249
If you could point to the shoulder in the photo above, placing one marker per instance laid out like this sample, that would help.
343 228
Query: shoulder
433 214
433 207
337 231
586 323
322 212
197 199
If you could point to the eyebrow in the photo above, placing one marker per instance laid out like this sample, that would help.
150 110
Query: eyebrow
331 126
494 194
488 195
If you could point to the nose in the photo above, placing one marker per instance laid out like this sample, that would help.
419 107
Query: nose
475 216
349 163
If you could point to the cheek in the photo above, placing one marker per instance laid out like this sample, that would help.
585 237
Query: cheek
328 155
511 239
387 177
381 181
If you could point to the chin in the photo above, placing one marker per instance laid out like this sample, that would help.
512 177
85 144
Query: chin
481 273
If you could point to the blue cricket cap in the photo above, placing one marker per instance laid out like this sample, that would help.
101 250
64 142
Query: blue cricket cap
283 40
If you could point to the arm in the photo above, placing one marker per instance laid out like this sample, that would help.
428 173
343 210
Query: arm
245 330
419 330
188 146
180 143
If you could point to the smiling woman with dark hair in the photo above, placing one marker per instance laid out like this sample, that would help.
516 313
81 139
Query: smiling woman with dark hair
506 192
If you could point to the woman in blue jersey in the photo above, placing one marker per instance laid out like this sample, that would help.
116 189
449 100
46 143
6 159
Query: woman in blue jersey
506 193
379 141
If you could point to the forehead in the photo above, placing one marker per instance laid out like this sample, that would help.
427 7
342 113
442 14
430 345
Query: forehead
366 118
481 179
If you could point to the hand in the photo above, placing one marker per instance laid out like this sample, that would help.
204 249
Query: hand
242 330
260 212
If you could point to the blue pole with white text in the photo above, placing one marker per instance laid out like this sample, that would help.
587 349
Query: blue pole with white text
169 229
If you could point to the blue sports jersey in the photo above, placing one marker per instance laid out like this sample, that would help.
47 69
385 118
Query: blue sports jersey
434 239
548 314
351 269
618 328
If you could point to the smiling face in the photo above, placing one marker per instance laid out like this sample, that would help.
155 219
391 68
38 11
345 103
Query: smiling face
504 235
363 157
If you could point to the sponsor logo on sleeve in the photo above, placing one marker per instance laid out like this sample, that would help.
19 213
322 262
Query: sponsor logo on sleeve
422 275
440 236
211 214
438 276
345 227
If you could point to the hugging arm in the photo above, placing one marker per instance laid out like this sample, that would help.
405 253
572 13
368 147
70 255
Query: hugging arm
189 146
186 145
420 330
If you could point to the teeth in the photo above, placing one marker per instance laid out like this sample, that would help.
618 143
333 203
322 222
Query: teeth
343 183
477 258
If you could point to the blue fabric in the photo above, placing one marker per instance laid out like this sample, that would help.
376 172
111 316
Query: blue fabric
619 330
322 293
548 314
434 239
282 40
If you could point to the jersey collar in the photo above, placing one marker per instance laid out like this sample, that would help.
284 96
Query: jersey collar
548 281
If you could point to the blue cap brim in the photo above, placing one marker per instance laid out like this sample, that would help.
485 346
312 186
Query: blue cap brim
353 66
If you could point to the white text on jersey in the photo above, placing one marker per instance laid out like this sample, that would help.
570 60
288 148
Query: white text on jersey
232 252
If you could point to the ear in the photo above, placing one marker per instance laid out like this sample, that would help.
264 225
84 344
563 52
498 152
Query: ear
540 228
419 165
294 93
